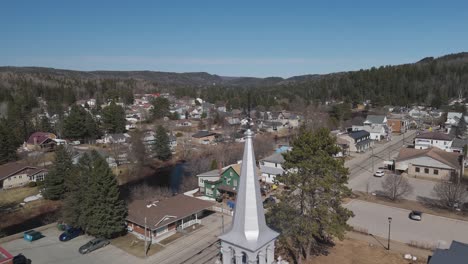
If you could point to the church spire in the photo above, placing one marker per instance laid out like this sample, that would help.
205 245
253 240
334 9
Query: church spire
249 240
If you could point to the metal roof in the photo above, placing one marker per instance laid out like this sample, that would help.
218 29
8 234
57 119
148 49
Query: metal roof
249 229
456 254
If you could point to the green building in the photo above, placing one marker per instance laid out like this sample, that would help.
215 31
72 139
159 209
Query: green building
216 185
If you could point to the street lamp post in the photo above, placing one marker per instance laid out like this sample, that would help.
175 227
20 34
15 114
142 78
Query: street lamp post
389 226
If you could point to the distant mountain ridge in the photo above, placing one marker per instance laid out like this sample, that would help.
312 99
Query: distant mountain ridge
203 79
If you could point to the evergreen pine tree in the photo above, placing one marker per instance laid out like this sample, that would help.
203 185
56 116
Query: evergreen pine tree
161 146
8 143
113 118
311 214
54 182
105 211
74 125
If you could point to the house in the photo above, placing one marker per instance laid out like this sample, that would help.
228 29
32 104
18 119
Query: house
417 113
433 139
456 254
458 144
271 166
377 131
375 120
116 138
204 137
226 183
358 141
184 123
165 217
211 176
397 125
41 140
432 163
15 174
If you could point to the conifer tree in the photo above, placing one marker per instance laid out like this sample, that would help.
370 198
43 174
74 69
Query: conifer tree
105 211
8 143
310 214
113 118
74 125
54 182
161 146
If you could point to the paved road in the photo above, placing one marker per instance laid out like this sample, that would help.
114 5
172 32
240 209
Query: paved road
195 248
361 172
435 230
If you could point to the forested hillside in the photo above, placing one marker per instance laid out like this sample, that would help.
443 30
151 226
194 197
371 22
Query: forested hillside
429 81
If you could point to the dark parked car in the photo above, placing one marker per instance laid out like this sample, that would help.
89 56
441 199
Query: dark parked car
70 233
93 245
21 259
415 215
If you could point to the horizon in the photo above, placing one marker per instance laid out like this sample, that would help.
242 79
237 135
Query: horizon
227 39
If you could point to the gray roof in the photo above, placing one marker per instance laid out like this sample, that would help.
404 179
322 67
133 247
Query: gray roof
275 158
459 143
212 173
271 170
456 254
375 119
203 133
358 134
249 230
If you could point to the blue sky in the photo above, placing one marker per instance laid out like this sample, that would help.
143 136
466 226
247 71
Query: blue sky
231 38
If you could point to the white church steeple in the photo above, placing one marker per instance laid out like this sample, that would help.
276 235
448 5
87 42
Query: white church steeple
249 240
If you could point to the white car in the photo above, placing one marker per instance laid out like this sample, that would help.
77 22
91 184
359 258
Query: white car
379 173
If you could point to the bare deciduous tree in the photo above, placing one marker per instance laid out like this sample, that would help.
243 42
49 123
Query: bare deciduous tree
450 194
396 186
147 192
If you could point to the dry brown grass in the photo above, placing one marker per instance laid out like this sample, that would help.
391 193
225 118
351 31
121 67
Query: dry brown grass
30 211
134 246
16 195
171 239
351 251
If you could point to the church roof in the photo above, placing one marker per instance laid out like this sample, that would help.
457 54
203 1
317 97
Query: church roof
249 229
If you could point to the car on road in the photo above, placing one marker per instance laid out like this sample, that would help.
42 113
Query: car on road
70 233
415 215
379 173
93 245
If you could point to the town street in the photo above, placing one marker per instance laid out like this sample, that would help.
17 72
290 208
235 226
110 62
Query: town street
434 230
361 172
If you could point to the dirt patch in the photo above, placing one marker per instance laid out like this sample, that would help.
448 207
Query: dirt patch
134 246
412 205
352 251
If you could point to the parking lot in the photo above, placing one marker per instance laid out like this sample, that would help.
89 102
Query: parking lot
49 250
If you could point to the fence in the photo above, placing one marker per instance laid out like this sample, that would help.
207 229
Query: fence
189 223
222 210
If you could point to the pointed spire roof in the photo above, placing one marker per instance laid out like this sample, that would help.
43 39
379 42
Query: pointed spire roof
249 229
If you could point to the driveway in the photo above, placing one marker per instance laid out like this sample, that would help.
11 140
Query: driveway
436 230
49 250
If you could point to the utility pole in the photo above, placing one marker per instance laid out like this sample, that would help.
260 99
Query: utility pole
389 226
372 157
145 239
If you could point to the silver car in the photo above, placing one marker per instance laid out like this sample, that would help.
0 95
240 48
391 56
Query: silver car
93 245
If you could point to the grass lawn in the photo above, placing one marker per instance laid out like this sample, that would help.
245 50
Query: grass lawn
134 246
413 205
16 195
352 251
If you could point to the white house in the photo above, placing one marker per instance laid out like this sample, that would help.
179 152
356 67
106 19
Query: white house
434 139
116 138
377 131
271 166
